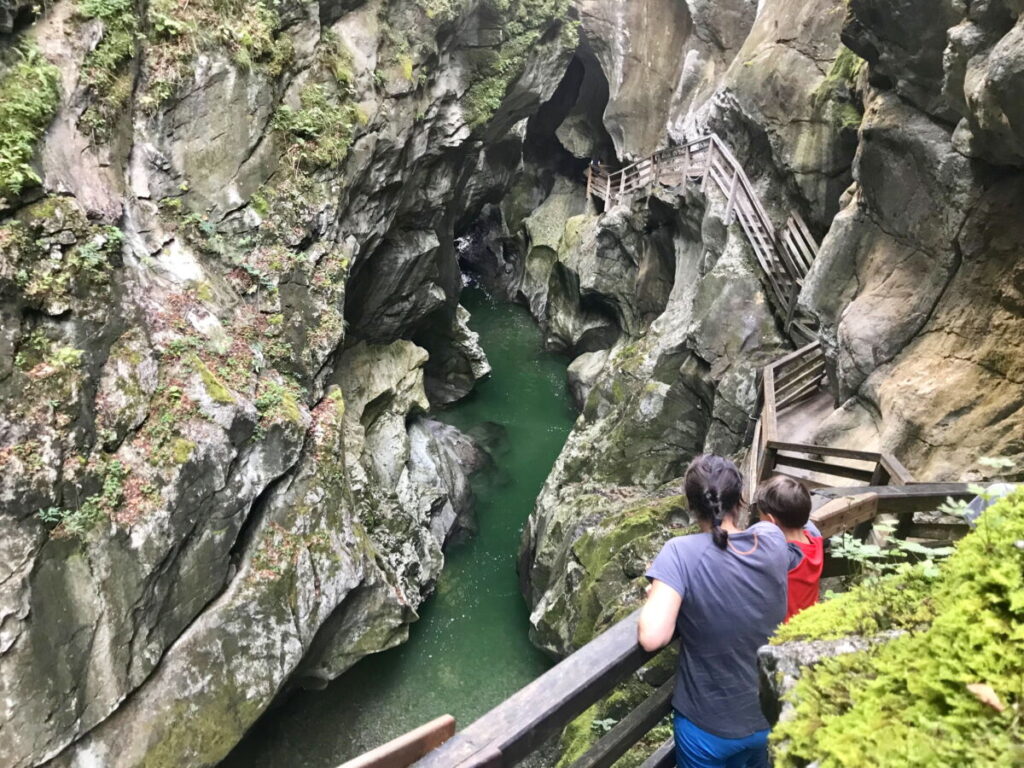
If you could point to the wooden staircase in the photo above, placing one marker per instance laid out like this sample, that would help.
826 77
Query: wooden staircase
784 255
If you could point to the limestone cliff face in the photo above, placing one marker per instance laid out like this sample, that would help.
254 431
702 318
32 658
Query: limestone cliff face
921 271
229 294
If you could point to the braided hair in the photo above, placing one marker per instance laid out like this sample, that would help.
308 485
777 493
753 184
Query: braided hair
714 489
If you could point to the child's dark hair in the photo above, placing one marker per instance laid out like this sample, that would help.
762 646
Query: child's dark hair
785 499
714 489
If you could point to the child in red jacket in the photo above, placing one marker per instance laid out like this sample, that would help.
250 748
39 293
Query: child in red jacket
786 503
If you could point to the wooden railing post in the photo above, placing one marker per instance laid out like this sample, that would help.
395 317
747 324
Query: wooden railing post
709 154
622 185
732 196
794 294
590 181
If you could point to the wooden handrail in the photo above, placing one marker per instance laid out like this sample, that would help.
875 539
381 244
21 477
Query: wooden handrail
408 748
527 719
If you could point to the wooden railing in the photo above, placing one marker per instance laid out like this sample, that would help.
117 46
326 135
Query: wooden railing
408 748
785 256
525 721
785 383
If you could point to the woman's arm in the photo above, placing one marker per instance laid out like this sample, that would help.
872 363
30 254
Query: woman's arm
657 621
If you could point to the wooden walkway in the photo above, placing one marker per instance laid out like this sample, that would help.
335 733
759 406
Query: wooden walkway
785 255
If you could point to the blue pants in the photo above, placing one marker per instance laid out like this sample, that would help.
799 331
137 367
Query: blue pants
696 748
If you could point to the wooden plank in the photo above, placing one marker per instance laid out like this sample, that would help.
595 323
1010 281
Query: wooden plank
823 467
794 355
663 757
898 474
763 256
801 394
630 729
811 375
538 711
769 417
795 367
799 249
822 450
408 748
752 459
807 236
767 464
745 182
845 513
489 758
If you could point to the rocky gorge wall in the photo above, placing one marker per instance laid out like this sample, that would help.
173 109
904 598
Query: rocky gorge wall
229 298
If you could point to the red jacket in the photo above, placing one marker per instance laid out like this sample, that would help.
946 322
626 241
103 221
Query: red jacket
805 577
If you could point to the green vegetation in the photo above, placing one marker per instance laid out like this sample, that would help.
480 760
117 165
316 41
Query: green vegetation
105 69
442 10
322 129
81 519
586 729
279 401
178 30
29 95
524 23
950 692
837 96
85 261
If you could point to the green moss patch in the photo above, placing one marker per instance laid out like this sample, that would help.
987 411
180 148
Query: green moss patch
176 31
836 98
910 701
80 519
106 67
29 95
524 23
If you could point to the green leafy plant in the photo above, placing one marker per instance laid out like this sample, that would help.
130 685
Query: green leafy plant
105 69
321 130
81 519
29 95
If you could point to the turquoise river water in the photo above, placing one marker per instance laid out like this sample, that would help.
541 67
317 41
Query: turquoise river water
469 650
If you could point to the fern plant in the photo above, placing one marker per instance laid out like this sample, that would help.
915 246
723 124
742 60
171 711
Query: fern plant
28 98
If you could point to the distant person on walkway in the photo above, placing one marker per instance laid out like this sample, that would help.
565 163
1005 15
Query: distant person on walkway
595 167
724 591
786 503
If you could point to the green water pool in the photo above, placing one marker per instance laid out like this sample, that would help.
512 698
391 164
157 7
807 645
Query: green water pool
469 650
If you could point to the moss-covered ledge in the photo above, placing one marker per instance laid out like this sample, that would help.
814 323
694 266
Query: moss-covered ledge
947 690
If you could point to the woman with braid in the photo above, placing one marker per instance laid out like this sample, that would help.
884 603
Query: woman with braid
724 591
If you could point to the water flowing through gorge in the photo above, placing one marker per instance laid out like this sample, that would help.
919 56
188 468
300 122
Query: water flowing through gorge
469 650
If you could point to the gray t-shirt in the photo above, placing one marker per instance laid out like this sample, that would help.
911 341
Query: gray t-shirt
733 599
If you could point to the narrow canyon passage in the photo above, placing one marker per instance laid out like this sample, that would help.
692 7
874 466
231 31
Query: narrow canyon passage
469 650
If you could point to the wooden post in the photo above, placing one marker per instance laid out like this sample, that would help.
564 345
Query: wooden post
590 181
732 196
794 293
622 186
608 190
709 155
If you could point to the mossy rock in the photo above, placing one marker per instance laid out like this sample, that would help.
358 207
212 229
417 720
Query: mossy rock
910 701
